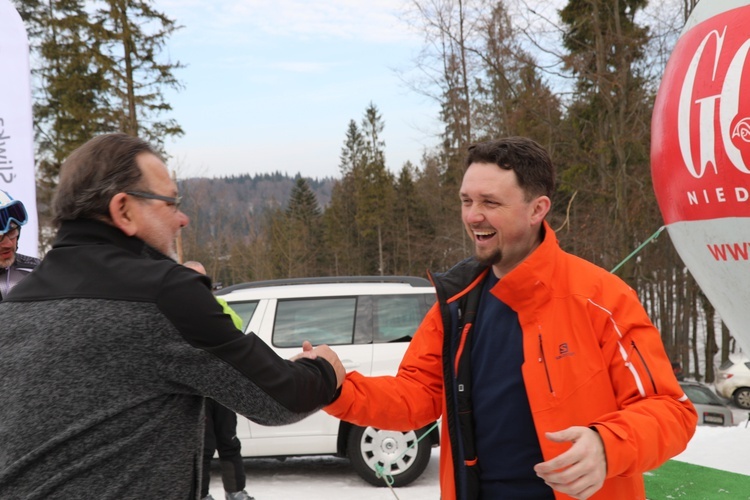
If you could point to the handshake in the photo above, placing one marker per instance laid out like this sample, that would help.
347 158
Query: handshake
325 352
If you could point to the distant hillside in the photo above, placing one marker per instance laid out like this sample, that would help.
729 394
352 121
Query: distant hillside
244 196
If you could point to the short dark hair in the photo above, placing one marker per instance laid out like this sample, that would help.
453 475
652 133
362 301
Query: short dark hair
530 161
94 173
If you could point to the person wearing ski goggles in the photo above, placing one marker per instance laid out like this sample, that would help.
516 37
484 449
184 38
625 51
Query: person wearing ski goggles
13 266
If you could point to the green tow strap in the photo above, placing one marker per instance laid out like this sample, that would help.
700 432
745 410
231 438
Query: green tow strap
640 247
388 478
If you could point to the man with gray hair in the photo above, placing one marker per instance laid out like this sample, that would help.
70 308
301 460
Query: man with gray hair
110 347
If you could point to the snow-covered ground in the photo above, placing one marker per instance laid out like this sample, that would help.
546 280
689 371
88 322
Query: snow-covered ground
324 478
330 478
725 448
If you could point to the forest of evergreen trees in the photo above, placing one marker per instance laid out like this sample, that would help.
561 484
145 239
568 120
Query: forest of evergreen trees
592 111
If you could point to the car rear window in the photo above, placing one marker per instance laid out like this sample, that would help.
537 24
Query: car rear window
396 317
701 395
320 320
726 364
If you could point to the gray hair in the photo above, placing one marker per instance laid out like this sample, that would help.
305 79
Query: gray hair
96 172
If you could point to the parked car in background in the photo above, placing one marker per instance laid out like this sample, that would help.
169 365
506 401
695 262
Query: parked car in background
733 380
711 409
369 322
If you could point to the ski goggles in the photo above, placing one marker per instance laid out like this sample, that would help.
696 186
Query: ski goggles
12 212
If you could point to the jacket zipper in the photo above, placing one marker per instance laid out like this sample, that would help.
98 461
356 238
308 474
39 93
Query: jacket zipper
635 347
543 359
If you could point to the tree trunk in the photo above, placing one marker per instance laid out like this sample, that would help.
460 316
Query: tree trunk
710 349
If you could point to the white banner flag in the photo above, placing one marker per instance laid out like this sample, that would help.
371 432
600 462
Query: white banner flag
16 129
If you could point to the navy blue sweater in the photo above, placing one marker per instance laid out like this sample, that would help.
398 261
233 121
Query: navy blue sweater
506 441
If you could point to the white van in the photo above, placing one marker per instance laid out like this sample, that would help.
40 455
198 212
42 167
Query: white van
368 321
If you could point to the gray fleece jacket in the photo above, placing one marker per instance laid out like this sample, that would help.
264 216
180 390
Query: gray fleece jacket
107 351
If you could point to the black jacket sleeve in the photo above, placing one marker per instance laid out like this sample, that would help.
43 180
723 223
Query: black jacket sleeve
238 370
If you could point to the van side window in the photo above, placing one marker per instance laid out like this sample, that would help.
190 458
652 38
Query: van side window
321 321
396 317
244 310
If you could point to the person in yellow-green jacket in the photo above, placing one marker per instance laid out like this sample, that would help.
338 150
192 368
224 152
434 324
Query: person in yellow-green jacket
221 431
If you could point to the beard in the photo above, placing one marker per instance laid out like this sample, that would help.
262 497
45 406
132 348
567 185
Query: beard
7 262
490 258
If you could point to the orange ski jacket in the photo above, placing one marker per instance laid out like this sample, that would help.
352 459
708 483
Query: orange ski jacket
592 358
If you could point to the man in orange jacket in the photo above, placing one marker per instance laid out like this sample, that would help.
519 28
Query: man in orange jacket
550 379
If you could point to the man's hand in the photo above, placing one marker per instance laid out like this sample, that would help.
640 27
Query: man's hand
325 352
307 352
580 471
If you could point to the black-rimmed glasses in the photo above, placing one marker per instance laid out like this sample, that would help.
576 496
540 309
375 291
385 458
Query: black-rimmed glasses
169 200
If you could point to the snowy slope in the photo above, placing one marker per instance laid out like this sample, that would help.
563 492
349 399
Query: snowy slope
329 478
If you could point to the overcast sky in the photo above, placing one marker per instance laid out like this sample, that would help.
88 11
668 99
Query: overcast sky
270 85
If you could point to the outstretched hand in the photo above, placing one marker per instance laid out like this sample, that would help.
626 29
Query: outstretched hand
307 352
325 352
581 470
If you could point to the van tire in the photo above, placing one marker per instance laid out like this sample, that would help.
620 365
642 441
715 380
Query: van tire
369 447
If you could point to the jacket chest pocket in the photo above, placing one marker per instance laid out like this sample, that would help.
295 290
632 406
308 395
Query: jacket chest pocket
565 369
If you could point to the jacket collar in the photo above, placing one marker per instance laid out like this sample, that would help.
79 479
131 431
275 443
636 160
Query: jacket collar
24 262
94 232
458 280
515 287
520 288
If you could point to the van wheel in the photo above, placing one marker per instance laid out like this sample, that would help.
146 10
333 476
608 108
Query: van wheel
742 397
370 449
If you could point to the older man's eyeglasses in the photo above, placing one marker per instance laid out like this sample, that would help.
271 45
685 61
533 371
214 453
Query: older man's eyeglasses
169 200
11 234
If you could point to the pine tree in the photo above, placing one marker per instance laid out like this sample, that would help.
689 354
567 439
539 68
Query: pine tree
412 233
305 222
374 194
339 229
608 162
609 119
70 104
511 97
353 152
303 230
303 204
134 35
94 74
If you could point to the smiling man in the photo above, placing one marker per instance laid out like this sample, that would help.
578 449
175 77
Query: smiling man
550 378
13 265
109 348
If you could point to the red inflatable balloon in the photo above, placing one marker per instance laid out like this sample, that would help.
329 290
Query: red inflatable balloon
700 155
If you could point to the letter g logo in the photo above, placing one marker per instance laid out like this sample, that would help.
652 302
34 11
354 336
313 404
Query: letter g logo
700 140
718 90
